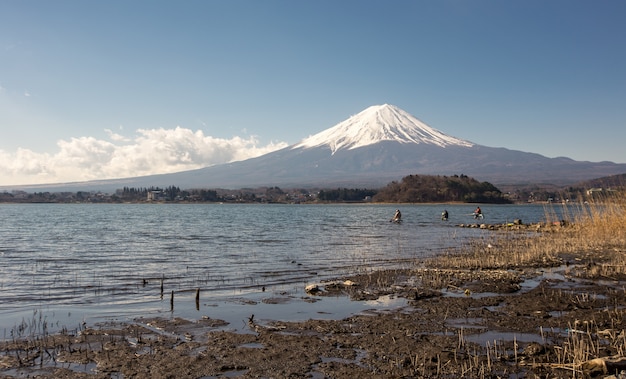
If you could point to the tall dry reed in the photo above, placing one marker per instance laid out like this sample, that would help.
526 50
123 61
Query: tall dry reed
592 230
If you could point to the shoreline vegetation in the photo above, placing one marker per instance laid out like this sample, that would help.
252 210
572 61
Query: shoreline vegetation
542 302
410 189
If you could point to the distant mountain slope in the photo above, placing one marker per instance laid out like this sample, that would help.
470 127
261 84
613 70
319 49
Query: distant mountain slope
379 145
613 181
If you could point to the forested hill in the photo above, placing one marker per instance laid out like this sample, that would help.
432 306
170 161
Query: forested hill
614 181
429 188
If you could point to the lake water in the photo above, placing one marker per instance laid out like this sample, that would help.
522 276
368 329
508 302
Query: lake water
64 264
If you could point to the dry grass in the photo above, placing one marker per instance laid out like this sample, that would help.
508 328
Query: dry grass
593 231
592 239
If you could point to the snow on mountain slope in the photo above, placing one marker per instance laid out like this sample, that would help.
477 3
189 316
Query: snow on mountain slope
379 123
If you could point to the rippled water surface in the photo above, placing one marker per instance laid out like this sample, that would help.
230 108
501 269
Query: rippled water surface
72 261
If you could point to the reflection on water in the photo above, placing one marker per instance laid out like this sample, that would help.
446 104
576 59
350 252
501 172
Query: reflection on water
82 260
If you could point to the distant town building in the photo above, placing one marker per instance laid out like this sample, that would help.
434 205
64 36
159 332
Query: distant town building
595 191
155 195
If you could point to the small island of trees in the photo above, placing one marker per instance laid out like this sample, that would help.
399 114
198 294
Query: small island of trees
431 189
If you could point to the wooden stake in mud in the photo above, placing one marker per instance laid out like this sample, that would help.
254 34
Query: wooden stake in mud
197 299
161 288
172 302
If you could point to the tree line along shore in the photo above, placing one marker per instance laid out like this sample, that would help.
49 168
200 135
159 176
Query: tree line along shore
410 189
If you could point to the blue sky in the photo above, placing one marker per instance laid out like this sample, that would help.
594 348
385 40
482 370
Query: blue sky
93 90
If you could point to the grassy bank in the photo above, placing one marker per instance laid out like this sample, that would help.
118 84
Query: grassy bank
592 231
591 243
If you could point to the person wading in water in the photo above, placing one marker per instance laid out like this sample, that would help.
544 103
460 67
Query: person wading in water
397 217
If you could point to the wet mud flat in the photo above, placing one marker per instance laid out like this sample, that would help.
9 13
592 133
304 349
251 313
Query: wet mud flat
531 322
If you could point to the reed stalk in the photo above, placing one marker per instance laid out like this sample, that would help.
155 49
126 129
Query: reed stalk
595 229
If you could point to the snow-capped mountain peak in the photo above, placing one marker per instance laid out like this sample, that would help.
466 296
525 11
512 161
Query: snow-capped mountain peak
379 123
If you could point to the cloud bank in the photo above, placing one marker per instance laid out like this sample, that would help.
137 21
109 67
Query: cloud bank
151 151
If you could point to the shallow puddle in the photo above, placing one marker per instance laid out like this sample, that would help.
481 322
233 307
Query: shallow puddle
228 374
466 323
491 335
89 369
252 345
360 354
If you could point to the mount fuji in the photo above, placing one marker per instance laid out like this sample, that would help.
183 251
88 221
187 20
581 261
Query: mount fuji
376 124
381 144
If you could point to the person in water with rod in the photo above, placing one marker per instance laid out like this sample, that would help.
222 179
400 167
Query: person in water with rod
478 213
397 217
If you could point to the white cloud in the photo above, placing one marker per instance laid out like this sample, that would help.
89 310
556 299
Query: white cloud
151 151
116 137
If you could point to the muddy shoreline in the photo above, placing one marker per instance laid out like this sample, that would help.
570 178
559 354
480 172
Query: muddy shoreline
522 322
